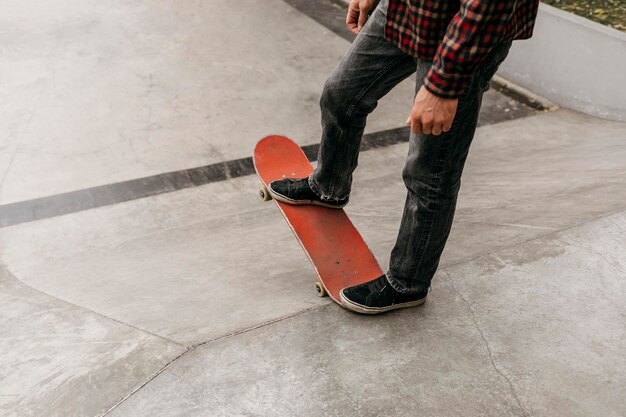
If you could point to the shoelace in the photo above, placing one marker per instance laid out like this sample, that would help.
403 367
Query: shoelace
380 286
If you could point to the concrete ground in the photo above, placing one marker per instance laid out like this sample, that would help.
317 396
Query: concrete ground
198 301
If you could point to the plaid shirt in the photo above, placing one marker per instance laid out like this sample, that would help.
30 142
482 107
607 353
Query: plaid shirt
456 34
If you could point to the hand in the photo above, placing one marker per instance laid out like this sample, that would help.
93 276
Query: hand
358 12
431 114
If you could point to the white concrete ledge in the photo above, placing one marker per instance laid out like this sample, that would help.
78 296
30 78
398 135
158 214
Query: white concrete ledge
574 62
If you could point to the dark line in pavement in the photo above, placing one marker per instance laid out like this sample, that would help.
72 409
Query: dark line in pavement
329 13
104 195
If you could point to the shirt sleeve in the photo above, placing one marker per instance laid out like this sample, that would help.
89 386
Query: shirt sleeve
472 33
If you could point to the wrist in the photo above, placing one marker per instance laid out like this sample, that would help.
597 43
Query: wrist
443 85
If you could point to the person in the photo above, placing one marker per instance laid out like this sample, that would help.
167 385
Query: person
455 48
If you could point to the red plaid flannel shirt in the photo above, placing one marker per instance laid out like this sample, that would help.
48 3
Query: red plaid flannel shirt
456 34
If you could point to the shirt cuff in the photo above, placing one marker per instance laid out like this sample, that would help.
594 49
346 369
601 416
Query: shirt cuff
445 86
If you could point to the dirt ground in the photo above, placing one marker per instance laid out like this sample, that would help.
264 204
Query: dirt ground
608 12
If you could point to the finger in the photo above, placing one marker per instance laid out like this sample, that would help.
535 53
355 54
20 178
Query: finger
353 27
447 126
418 128
408 121
362 17
436 129
416 125
427 123
352 17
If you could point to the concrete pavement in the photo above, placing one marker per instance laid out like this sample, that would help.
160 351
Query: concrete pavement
533 273
200 302
533 329
132 89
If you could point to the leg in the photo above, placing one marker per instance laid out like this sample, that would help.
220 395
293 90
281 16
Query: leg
369 70
432 176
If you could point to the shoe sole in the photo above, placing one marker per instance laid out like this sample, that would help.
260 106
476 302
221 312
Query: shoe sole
287 200
359 308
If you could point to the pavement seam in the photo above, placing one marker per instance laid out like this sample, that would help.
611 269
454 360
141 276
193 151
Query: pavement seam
257 326
69 303
315 308
194 347
64 203
146 382
541 236
486 343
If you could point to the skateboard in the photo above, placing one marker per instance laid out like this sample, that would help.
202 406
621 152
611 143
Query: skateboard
337 251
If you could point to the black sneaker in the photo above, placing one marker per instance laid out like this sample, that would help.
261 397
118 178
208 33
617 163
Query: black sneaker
298 192
378 296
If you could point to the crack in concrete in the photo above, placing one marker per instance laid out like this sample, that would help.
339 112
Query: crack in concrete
538 237
525 226
573 241
615 224
51 80
258 326
21 139
146 382
525 412
217 339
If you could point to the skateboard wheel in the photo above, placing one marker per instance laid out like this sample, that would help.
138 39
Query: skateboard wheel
320 290
264 194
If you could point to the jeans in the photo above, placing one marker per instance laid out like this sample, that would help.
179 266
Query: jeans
432 172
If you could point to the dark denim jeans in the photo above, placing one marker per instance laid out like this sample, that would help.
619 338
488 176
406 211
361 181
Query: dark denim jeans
432 173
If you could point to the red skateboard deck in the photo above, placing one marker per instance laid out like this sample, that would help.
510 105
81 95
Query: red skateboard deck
337 251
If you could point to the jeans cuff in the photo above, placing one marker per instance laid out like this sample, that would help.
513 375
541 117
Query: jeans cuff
400 287
323 197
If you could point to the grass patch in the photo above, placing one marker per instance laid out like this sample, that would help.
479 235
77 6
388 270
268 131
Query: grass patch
611 13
